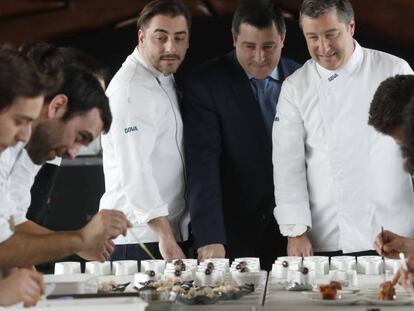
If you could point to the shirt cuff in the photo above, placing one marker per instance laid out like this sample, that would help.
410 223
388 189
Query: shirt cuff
155 213
293 230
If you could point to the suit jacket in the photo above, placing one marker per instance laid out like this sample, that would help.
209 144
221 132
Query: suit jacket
229 160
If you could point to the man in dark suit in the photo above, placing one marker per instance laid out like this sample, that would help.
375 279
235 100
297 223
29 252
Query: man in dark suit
229 109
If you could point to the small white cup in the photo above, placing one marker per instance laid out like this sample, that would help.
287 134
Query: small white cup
337 275
319 264
352 277
156 265
371 265
67 267
98 268
124 267
343 263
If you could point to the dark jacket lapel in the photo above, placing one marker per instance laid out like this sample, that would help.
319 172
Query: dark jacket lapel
243 93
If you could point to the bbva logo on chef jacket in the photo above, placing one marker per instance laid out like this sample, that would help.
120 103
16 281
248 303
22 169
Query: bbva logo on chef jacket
130 129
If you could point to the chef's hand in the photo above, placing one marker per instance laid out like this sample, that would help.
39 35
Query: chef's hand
169 249
101 254
405 278
299 246
167 245
390 245
211 251
25 286
105 225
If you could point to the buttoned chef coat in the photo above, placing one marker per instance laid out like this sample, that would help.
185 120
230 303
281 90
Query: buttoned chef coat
143 151
333 172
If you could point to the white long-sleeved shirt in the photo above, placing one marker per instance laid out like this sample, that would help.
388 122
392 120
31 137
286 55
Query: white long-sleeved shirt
17 173
143 151
333 172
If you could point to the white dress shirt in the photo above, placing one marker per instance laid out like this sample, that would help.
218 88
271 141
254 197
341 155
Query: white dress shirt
143 151
333 172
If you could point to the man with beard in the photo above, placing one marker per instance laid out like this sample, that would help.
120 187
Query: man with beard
71 117
22 91
143 151
392 113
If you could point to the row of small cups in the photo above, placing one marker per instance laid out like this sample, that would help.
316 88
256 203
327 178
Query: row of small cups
320 264
120 267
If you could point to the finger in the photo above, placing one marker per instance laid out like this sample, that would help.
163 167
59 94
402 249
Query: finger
396 277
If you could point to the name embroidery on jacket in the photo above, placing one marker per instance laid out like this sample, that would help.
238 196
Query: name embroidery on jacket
333 77
130 129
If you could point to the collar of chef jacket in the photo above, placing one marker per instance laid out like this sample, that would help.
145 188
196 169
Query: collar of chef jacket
164 80
344 71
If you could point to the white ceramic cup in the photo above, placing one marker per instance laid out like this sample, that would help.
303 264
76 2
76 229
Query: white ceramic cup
319 264
124 267
156 265
67 267
337 275
98 268
343 263
352 277
371 265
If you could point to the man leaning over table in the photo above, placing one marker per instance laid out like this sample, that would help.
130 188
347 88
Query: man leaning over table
337 180
143 152
22 90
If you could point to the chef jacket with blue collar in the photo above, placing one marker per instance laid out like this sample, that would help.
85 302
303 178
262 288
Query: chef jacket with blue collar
143 151
333 173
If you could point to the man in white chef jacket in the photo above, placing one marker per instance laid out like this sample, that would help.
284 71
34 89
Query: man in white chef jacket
392 113
76 113
337 180
143 152
22 92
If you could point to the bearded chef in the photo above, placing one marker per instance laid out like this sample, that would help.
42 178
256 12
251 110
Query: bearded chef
337 180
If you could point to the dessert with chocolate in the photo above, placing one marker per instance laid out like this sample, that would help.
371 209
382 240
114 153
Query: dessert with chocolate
387 291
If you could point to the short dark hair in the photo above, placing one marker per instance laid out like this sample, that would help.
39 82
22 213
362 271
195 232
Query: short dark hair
19 77
390 99
316 8
51 59
408 136
84 93
258 13
171 8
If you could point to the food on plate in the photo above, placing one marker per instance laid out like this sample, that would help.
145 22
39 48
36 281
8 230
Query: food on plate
329 291
387 291
336 284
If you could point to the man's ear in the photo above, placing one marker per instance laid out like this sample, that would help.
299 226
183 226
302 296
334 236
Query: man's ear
234 35
140 37
57 106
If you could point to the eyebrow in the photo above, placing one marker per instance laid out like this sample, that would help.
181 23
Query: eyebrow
314 33
166 32
254 43
26 118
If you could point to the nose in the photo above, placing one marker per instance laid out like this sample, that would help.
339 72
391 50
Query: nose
324 46
73 151
259 55
170 46
24 133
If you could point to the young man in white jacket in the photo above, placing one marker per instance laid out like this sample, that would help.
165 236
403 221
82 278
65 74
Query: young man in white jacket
21 99
337 180
143 152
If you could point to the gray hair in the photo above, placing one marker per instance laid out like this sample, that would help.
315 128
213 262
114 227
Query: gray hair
316 8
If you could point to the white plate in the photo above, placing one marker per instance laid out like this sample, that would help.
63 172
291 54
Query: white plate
344 290
341 299
400 300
